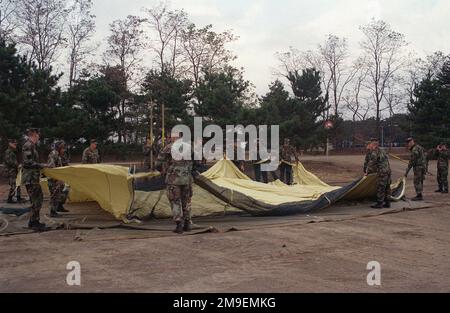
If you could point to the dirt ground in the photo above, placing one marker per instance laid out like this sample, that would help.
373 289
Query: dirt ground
412 247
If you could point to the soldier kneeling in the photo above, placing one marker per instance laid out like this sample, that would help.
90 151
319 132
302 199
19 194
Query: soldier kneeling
58 192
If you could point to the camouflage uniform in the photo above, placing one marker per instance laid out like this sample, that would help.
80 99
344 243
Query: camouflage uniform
418 163
58 194
379 163
157 146
368 165
442 169
179 184
12 169
90 156
31 174
287 154
146 151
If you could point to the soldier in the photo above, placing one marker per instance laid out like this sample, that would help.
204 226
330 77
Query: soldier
147 153
90 154
418 163
12 169
31 174
262 176
179 185
442 167
58 192
288 155
240 164
157 145
369 155
379 162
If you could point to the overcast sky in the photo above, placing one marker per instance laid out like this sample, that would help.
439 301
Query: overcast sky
269 26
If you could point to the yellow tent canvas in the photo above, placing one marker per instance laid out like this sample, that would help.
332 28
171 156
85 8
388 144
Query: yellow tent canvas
223 188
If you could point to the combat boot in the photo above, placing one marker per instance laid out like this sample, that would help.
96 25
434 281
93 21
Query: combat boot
387 204
10 200
419 197
179 228
187 226
445 191
61 209
378 205
37 226
439 190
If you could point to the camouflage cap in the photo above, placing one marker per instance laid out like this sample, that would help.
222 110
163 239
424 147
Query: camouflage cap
374 139
12 140
93 141
409 139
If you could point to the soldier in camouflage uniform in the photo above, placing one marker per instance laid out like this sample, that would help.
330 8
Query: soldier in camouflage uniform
179 185
58 192
288 155
417 162
147 149
12 169
90 154
368 166
443 155
379 162
31 174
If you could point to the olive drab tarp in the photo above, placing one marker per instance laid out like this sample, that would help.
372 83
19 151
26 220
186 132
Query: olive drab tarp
222 188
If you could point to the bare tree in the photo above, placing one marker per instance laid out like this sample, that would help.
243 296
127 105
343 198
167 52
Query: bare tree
7 21
167 25
290 61
125 45
206 50
354 99
337 73
41 24
418 69
81 26
382 47
395 95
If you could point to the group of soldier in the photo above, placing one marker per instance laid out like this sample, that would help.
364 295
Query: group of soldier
288 156
179 177
31 174
377 162
179 174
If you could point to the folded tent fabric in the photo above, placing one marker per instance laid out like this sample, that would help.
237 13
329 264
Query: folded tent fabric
220 189
110 186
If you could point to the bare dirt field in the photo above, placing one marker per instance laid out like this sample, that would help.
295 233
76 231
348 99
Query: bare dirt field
413 248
